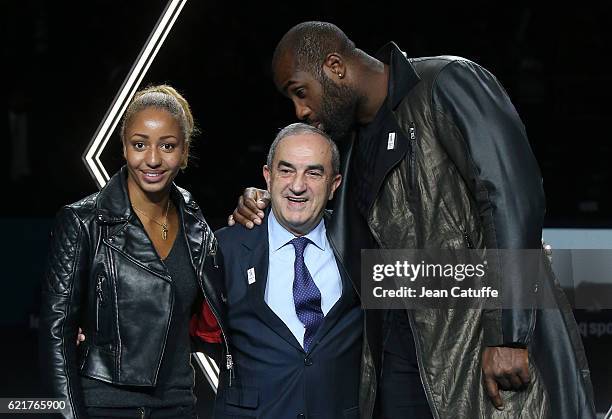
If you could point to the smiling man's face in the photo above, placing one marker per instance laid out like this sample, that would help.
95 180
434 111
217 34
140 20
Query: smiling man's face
301 181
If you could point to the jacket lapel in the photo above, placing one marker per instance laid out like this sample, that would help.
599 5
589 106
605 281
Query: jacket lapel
346 301
394 144
257 258
132 242
195 230
347 298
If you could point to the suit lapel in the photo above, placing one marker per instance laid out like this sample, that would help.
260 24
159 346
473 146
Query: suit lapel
257 258
346 300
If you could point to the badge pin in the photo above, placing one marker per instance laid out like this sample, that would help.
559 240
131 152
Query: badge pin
391 141
251 276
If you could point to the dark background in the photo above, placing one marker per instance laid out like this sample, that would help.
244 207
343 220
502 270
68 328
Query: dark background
65 61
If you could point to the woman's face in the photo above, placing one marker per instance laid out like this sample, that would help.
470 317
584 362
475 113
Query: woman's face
154 149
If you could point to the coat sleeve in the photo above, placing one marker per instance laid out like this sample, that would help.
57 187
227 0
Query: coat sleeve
67 268
493 155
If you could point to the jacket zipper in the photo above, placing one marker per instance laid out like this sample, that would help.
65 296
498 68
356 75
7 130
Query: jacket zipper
413 138
113 274
467 239
229 361
100 298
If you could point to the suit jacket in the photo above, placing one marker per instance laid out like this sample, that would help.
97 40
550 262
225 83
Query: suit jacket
272 376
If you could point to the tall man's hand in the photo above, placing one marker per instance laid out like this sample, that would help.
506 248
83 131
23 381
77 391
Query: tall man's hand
249 210
504 368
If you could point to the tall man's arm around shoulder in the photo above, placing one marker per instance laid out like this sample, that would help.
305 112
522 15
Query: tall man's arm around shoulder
249 211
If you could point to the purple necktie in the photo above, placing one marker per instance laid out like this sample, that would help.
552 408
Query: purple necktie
306 295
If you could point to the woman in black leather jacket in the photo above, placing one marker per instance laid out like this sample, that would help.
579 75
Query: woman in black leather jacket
128 265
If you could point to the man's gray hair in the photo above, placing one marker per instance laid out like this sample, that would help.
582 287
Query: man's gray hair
300 128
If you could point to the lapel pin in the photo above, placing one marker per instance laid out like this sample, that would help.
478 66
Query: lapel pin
251 275
391 141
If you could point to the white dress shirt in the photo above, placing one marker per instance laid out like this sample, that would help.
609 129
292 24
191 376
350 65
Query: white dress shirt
321 263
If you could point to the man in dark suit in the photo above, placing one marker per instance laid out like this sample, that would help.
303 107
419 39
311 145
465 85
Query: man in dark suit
293 317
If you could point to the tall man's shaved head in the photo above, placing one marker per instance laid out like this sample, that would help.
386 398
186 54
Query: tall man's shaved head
310 42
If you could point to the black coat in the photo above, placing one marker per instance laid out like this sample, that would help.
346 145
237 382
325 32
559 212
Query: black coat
461 174
104 275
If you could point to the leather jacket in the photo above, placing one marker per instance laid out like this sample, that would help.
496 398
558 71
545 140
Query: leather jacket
104 275
464 176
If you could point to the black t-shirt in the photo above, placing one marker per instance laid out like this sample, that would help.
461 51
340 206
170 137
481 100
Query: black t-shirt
365 157
371 140
176 375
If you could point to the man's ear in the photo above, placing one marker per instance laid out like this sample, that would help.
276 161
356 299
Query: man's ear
267 174
335 185
334 66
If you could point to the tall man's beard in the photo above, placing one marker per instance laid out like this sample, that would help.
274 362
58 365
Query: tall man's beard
338 112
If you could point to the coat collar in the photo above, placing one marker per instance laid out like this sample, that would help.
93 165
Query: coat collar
402 75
